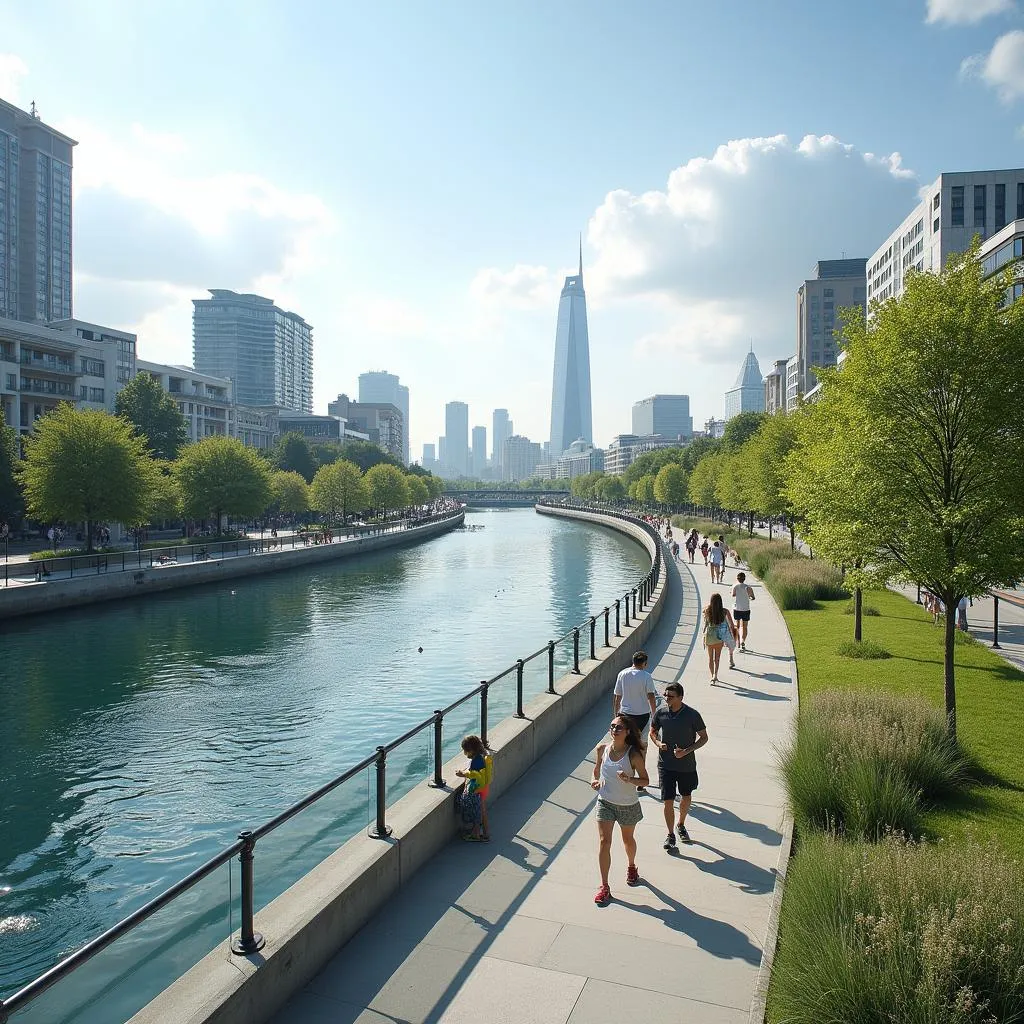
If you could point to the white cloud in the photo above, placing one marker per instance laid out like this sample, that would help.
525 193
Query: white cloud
522 287
965 12
1002 68
12 70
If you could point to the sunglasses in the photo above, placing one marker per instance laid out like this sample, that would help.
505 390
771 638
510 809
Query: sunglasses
616 728
672 693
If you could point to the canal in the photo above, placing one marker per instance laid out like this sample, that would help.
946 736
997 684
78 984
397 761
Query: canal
138 738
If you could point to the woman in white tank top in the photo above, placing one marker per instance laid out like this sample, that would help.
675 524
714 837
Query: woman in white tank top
619 770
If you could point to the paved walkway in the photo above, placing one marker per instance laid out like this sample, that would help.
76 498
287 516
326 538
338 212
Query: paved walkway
510 932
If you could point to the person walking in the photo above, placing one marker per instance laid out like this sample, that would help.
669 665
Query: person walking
742 595
704 548
717 621
636 697
691 545
619 772
716 556
677 730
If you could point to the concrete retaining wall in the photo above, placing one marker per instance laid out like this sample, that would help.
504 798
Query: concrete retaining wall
306 925
32 598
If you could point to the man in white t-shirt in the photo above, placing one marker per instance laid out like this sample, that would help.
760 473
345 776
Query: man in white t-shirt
716 556
636 695
742 595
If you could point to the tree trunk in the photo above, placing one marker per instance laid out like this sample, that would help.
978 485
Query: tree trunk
769 529
750 530
792 536
950 601
858 608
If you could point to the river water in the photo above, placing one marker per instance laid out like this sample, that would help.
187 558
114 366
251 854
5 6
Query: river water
138 738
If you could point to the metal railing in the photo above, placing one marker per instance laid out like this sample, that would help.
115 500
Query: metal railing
634 602
66 567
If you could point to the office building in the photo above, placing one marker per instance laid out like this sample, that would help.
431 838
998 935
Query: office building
442 457
501 431
380 386
265 351
35 218
382 422
76 362
775 387
794 388
954 208
664 415
580 458
747 394
625 448
429 460
318 428
478 460
833 285
1005 246
257 427
521 458
570 392
206 402
456 434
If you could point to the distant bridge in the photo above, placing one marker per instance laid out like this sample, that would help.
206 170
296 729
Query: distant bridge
500 499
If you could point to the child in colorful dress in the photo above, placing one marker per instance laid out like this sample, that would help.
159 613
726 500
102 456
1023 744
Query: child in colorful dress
478 783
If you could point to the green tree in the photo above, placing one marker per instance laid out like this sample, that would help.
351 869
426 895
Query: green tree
419 494
289 492
670 485
338 489
740 429
220 476
436 485
366 455
165 494
931 392
154 414
293 454
86 466
388 488
696 450
11 503
766 465
650 463
704 479
584 486
611 488
645 489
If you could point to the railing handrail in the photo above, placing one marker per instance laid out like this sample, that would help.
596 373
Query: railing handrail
247 840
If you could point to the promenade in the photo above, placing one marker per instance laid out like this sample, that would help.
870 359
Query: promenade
509 931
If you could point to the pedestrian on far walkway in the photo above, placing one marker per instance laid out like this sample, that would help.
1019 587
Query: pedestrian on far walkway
716 556
635 696
742 595
677 730
704 548
619 771
961 615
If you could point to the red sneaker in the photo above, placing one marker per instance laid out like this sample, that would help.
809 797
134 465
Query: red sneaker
602 896
632 875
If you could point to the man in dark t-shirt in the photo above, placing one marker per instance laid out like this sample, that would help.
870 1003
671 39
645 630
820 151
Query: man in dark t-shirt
677 731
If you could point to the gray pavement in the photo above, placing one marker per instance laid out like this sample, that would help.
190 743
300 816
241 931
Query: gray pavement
509 931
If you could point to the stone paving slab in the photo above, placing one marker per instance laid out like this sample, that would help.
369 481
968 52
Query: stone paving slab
509 931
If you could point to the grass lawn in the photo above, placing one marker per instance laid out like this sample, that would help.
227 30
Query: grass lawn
990 702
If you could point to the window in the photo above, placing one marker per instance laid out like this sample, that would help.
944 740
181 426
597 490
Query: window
12 382
93 367
935 226
83 392
96 394
979 205
829 294
956 203
1000 207
935 201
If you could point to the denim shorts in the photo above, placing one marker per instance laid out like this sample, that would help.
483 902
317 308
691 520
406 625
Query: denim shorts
624 814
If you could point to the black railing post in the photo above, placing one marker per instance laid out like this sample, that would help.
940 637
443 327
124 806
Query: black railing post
576 650
606 643
519 689
634 602
593 627
438 740
248 941
919 593
995 621
617 632
380 828
483 711
551 666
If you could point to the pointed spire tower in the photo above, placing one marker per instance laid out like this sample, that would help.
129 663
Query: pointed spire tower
747 394
571 414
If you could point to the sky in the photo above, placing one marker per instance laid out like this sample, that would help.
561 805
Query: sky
414 178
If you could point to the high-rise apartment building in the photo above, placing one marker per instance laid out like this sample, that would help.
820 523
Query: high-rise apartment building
665 415
478 459
570 393
833 285
381 386
521 458
747 394
265 351
501 431
35 218
456 433
954 208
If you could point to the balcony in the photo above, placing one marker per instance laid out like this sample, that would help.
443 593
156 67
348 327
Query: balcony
48 363
54 388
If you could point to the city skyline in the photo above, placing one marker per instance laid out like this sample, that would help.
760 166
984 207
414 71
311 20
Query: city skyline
430 242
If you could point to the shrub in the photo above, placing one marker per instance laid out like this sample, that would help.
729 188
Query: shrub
862 649
797 582
904 931
865 609
761 554
40 556
860 762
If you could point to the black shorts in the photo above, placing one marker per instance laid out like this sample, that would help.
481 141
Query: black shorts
640 721
741 616
685 782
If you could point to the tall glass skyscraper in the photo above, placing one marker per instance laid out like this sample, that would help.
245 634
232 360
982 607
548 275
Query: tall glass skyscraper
35 218
266 351
571 417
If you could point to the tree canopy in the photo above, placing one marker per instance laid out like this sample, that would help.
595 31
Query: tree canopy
292 454
289 492
10 490
740 429
670 485
338 489
84 465
419 493
220 476
154 414
387 487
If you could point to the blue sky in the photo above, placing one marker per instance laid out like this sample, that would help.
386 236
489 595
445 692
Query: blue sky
412 177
